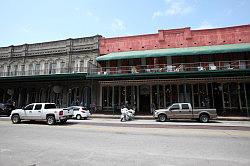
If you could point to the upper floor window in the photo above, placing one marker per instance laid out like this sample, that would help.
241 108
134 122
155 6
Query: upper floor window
31 69
8 70
22 69
15 70
37 69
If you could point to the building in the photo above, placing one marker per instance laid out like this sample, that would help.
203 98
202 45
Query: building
48 72
209 68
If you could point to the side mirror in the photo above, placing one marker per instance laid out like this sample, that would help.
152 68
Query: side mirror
23 108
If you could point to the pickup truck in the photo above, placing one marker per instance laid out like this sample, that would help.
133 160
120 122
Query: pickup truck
184 111
41 111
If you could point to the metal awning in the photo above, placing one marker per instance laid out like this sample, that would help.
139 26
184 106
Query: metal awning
202 50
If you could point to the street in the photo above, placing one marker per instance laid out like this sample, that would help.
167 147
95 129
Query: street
87 143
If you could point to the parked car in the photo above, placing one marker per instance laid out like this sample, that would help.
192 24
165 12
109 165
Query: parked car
41 111
185 111
6 108
79 112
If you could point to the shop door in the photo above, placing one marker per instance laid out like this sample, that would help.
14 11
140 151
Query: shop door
144 99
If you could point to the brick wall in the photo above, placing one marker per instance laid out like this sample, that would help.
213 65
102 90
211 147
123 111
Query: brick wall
176 38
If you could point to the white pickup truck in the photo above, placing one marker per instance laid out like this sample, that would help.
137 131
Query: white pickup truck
184 111
41 111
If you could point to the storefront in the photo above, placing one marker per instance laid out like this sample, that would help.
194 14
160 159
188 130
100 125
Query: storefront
229 98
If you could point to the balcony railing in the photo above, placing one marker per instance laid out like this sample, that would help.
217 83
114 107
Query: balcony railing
44 72
178 67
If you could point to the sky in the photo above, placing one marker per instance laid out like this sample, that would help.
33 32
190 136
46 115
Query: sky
34 21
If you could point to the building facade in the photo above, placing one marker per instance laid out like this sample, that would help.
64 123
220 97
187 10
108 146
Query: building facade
48 72
208 68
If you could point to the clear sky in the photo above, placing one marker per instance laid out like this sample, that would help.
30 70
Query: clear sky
32 21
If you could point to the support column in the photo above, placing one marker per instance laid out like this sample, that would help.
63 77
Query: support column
113 99
151 98
19 97
138 98
185 92
27 98
158 95
192 89
100 99
246 99
222 95
212 88
164 96
239 98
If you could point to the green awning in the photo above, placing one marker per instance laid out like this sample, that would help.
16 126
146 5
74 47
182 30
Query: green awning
202 50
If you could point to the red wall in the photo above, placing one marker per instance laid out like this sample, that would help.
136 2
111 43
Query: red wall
175 38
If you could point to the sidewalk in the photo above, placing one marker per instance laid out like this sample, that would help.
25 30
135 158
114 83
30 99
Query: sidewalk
151 117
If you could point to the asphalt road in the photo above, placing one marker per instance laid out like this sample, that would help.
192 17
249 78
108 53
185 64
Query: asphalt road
32 143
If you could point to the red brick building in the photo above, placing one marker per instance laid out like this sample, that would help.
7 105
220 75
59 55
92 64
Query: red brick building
208 68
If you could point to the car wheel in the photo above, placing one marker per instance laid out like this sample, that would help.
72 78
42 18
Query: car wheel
51 120
78 117
204 118
15 119
162 118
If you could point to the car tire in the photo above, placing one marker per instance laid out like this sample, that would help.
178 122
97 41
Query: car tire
15 119
204 118
162 117
51 120
78 117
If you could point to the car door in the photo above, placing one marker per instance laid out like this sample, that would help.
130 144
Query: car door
175 110
37 112
186 112
28 111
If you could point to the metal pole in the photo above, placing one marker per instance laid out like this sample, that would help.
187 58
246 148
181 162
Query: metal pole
246 99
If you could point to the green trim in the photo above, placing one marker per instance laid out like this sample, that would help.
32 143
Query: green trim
190 74
176 52
51 77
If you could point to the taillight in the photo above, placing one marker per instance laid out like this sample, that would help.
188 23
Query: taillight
61 113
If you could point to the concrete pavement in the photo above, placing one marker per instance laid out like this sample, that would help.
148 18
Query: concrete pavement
78 144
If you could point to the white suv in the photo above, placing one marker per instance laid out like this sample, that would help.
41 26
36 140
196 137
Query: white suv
79 112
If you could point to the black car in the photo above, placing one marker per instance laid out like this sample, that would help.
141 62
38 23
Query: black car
6 108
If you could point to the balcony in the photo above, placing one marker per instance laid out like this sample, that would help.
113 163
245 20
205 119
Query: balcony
174 69
57 71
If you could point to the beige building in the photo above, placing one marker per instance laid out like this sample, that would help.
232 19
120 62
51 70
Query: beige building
48 72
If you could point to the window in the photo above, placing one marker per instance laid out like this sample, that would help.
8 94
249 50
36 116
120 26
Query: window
49 106
37 69
15 69
22 69
175 107
29 107
185 106
76 109
38 107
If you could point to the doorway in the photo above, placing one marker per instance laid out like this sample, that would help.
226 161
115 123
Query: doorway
144 100
217 96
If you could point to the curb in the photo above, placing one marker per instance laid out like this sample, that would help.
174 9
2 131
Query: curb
152 118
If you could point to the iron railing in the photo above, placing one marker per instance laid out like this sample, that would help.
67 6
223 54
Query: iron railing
177 67
44 72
